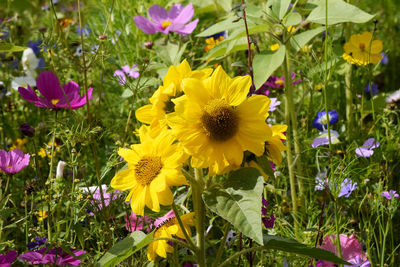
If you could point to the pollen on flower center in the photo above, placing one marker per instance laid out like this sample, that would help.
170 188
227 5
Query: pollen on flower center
362 46
166 23
147 169
9 166
219 120
55 101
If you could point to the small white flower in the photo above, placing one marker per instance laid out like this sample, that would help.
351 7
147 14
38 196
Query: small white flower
29 62
78 51
60 169
23 81
230 238
393 97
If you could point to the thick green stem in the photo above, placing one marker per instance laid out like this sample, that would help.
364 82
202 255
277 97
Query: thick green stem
349 95
337 230
290 118
178 217
199 209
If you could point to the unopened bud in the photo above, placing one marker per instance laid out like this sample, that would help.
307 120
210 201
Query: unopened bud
27 129
148 44
103 37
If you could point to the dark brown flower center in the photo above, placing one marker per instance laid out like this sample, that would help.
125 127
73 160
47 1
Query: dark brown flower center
147 169
362 46
219 120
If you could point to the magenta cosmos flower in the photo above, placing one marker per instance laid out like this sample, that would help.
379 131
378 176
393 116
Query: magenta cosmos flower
53 96
54 256
13 161
176 20
7 259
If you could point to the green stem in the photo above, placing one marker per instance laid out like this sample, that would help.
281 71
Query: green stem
199 209
289 117
244 251
349 95
337 230
222 245
384 242
188 238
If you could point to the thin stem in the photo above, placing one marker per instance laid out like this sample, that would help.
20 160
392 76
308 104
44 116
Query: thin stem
248 45
184 244
384 243
5 190
337 230
178 217
244 251
222 245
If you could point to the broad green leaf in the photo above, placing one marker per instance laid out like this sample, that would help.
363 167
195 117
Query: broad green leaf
293 18
125 248
127 93
301 39
338 12
265 64
239 202
293 246
278 8
265 166
238 33
6 47
223 49
227 24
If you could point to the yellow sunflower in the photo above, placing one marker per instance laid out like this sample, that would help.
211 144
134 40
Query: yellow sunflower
216 122
153 166
362 50
168 226
274 145
160 102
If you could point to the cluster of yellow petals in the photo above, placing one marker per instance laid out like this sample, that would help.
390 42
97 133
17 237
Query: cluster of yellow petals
212 42
362 50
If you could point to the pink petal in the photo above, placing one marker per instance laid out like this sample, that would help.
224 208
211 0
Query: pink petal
145 25
49 85
184 29
158 14
174 11
186 14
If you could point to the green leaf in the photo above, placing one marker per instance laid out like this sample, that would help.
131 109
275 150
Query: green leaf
292 246
127 93
293 18
301 39
278 8
125 248
263 162
239 202
338 12
265 64
227 24
5 47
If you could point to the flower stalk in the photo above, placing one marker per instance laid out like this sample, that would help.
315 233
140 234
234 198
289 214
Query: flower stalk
199 209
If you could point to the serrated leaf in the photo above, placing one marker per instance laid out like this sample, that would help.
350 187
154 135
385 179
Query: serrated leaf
239 202
125 248
338 12
301 39
265 64
293 246
6 47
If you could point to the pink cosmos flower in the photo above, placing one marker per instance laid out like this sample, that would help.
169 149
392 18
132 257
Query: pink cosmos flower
54 256
108 197
165 22
53 96
135 223
7 259
126 70
351 249
13 161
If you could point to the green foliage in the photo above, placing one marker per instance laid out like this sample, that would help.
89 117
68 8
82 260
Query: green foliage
239 202
264 64
4 47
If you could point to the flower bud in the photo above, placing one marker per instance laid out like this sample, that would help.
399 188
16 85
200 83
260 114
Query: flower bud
27 129
148 44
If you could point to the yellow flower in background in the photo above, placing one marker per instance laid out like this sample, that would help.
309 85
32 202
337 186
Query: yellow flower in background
168 226
212 42
161 101
153 166
318 87
41 215
274 47
291 29
216 122
274 145
19 144
362 50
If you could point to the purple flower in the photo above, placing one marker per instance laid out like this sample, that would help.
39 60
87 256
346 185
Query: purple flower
53 96
173 21
385 59
54 256
390 194
374 87
37 243
358 262
27 130
274 103
268 221
321 120
7 259
135 223
347 187
320 181
275 82
13 161
108 197
366 150
126 70
323 139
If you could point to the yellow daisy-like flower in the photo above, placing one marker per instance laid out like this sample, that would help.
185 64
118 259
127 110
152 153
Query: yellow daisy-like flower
362 50
274 145
216 122
212 42
161 104
274 47
41 215
168 226
153 166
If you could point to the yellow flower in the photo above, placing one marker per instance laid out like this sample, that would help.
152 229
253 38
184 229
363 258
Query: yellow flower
212 42
274 47
291 29
274 145
42 215
153 166
362 50
216 123
19 144
168 228
161 104
318 87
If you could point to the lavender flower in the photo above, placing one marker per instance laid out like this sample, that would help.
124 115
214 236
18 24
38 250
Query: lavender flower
321 120
274 103
385 59
346 187
176 20
323 139
37 243
131 71
13 161
390 194
368 89
366 150
320 181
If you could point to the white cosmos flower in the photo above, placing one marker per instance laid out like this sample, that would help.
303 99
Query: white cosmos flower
29 62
